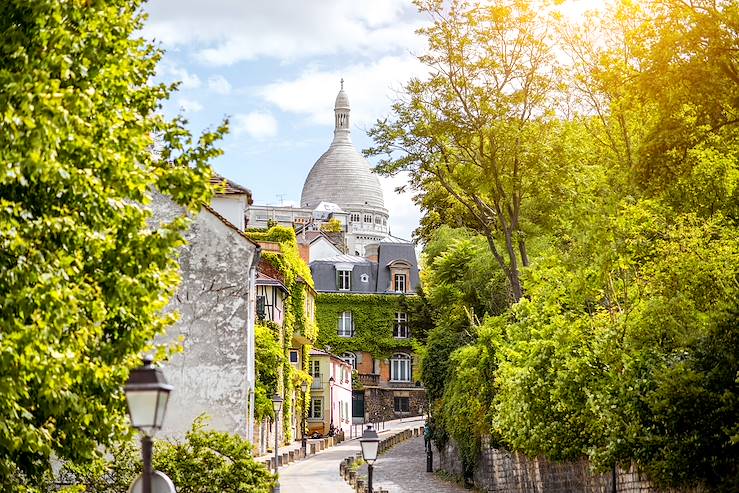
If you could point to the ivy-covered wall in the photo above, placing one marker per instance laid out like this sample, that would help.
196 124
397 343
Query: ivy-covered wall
374 319
295 275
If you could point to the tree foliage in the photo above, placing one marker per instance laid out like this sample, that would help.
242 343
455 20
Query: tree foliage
84 275
622 347
476 135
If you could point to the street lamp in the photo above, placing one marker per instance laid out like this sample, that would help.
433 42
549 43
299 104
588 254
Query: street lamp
276 405
304 388
147 393
370 444
331 404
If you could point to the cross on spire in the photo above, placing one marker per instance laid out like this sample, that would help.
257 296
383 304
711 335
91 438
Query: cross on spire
342 83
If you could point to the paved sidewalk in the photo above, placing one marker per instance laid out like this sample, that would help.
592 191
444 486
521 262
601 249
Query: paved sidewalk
319 473
402 469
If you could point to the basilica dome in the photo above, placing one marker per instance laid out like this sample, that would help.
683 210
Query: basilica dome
342 175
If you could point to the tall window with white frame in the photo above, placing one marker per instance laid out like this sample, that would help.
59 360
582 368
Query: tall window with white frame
400 368
346 325
400 331
344 280
399 280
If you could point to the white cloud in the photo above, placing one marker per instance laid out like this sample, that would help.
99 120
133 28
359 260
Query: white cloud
228 31
171 73
219 85
257 124
189 105
371 89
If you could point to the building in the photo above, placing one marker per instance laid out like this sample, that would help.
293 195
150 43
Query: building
366 278
363 310
365 290
211 373
339 186
329 411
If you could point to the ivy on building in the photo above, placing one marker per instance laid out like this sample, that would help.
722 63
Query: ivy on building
297 279
373 316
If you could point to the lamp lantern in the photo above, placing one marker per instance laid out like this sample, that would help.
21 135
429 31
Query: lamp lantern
147 394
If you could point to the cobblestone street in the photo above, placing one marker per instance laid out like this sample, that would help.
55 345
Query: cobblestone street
403 470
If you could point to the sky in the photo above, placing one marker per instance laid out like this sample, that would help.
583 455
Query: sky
273 68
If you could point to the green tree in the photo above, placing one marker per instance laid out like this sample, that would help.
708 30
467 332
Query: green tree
85 272
476 135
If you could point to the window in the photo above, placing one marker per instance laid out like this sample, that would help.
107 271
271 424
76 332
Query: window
346 326
344 280
400 368
294 357
316 409
315 370
399 282
355 217
350 359
401 325
401 404
378 220
368 218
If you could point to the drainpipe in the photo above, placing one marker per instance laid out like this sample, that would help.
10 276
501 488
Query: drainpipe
250 345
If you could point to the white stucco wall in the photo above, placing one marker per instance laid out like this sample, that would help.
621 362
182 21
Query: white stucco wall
232 207
322 248
209 375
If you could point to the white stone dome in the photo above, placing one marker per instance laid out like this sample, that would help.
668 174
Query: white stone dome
342 175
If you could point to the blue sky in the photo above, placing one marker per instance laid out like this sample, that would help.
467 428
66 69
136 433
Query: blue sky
274 69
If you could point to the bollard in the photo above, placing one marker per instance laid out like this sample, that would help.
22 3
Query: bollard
429 460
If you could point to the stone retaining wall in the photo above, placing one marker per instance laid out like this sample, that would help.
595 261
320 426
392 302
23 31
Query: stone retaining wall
501 471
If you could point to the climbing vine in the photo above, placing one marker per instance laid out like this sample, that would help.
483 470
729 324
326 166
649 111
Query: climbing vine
297 279
373 316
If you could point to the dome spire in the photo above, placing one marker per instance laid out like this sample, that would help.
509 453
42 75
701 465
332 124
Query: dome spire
341 114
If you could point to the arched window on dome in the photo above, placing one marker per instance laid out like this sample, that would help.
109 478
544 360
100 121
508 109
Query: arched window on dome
400 368
368 218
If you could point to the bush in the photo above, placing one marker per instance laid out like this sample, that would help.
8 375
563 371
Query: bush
206 461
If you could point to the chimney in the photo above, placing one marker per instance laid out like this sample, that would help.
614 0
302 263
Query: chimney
371 251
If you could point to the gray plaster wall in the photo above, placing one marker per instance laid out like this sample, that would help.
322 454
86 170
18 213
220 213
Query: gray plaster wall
209 375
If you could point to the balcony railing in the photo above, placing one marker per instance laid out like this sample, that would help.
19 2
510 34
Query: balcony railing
369 379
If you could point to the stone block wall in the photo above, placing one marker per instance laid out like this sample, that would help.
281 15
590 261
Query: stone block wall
379 403
501 471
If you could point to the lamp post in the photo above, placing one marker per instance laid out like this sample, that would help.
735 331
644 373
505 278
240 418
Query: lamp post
331 405
276 405
370 444
147 393
304 440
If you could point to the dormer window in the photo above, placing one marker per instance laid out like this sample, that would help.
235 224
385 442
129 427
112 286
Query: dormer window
364 278
399 282
343 280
